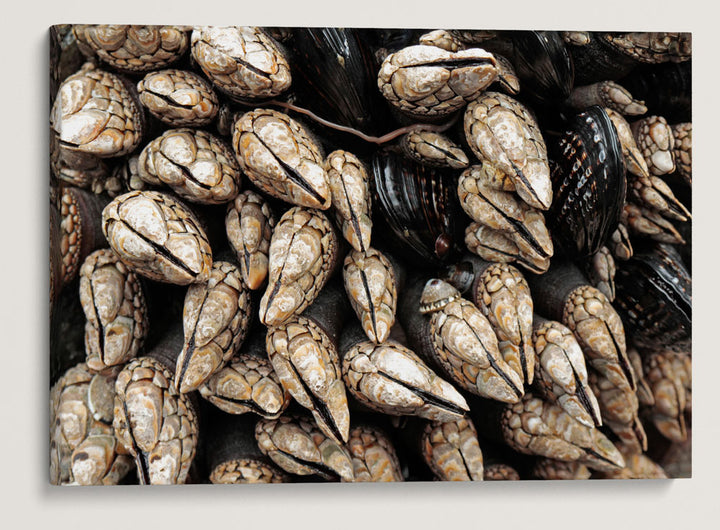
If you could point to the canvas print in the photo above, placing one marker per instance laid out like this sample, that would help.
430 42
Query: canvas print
351 255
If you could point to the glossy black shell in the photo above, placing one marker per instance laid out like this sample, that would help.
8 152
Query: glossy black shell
415 208
588 179
334 75
543 64
654 299
666 89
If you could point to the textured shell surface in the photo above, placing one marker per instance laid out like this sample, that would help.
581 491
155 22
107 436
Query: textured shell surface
96 113
114 304
502 131
216 318
179 98
198 166
158 237
302 253
429 81
241 61
134 48
281 159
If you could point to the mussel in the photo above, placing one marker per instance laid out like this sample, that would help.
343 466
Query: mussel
419 207
654 298
588 175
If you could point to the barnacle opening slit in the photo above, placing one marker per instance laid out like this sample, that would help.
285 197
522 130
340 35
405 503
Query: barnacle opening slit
140 457
170 101
450 64
519 226
371 306
518 391
294 176
623 359
583 397
237 59
189 175
427 397
187 356
323 471
100 336
321 408
165 253
355 223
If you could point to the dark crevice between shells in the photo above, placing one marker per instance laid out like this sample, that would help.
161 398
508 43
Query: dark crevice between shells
353 219
369 299
523 360
101 334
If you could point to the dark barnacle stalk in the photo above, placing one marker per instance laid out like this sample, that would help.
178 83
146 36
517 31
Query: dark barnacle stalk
79 228
233 453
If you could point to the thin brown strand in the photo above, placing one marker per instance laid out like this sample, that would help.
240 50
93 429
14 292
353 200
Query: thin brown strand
372 139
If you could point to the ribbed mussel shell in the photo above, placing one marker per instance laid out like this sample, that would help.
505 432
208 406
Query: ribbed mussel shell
589 184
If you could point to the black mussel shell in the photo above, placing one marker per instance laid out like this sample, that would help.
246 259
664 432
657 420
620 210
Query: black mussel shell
415 209
335 76
588 179
666 89
544 66
654 298
598 61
